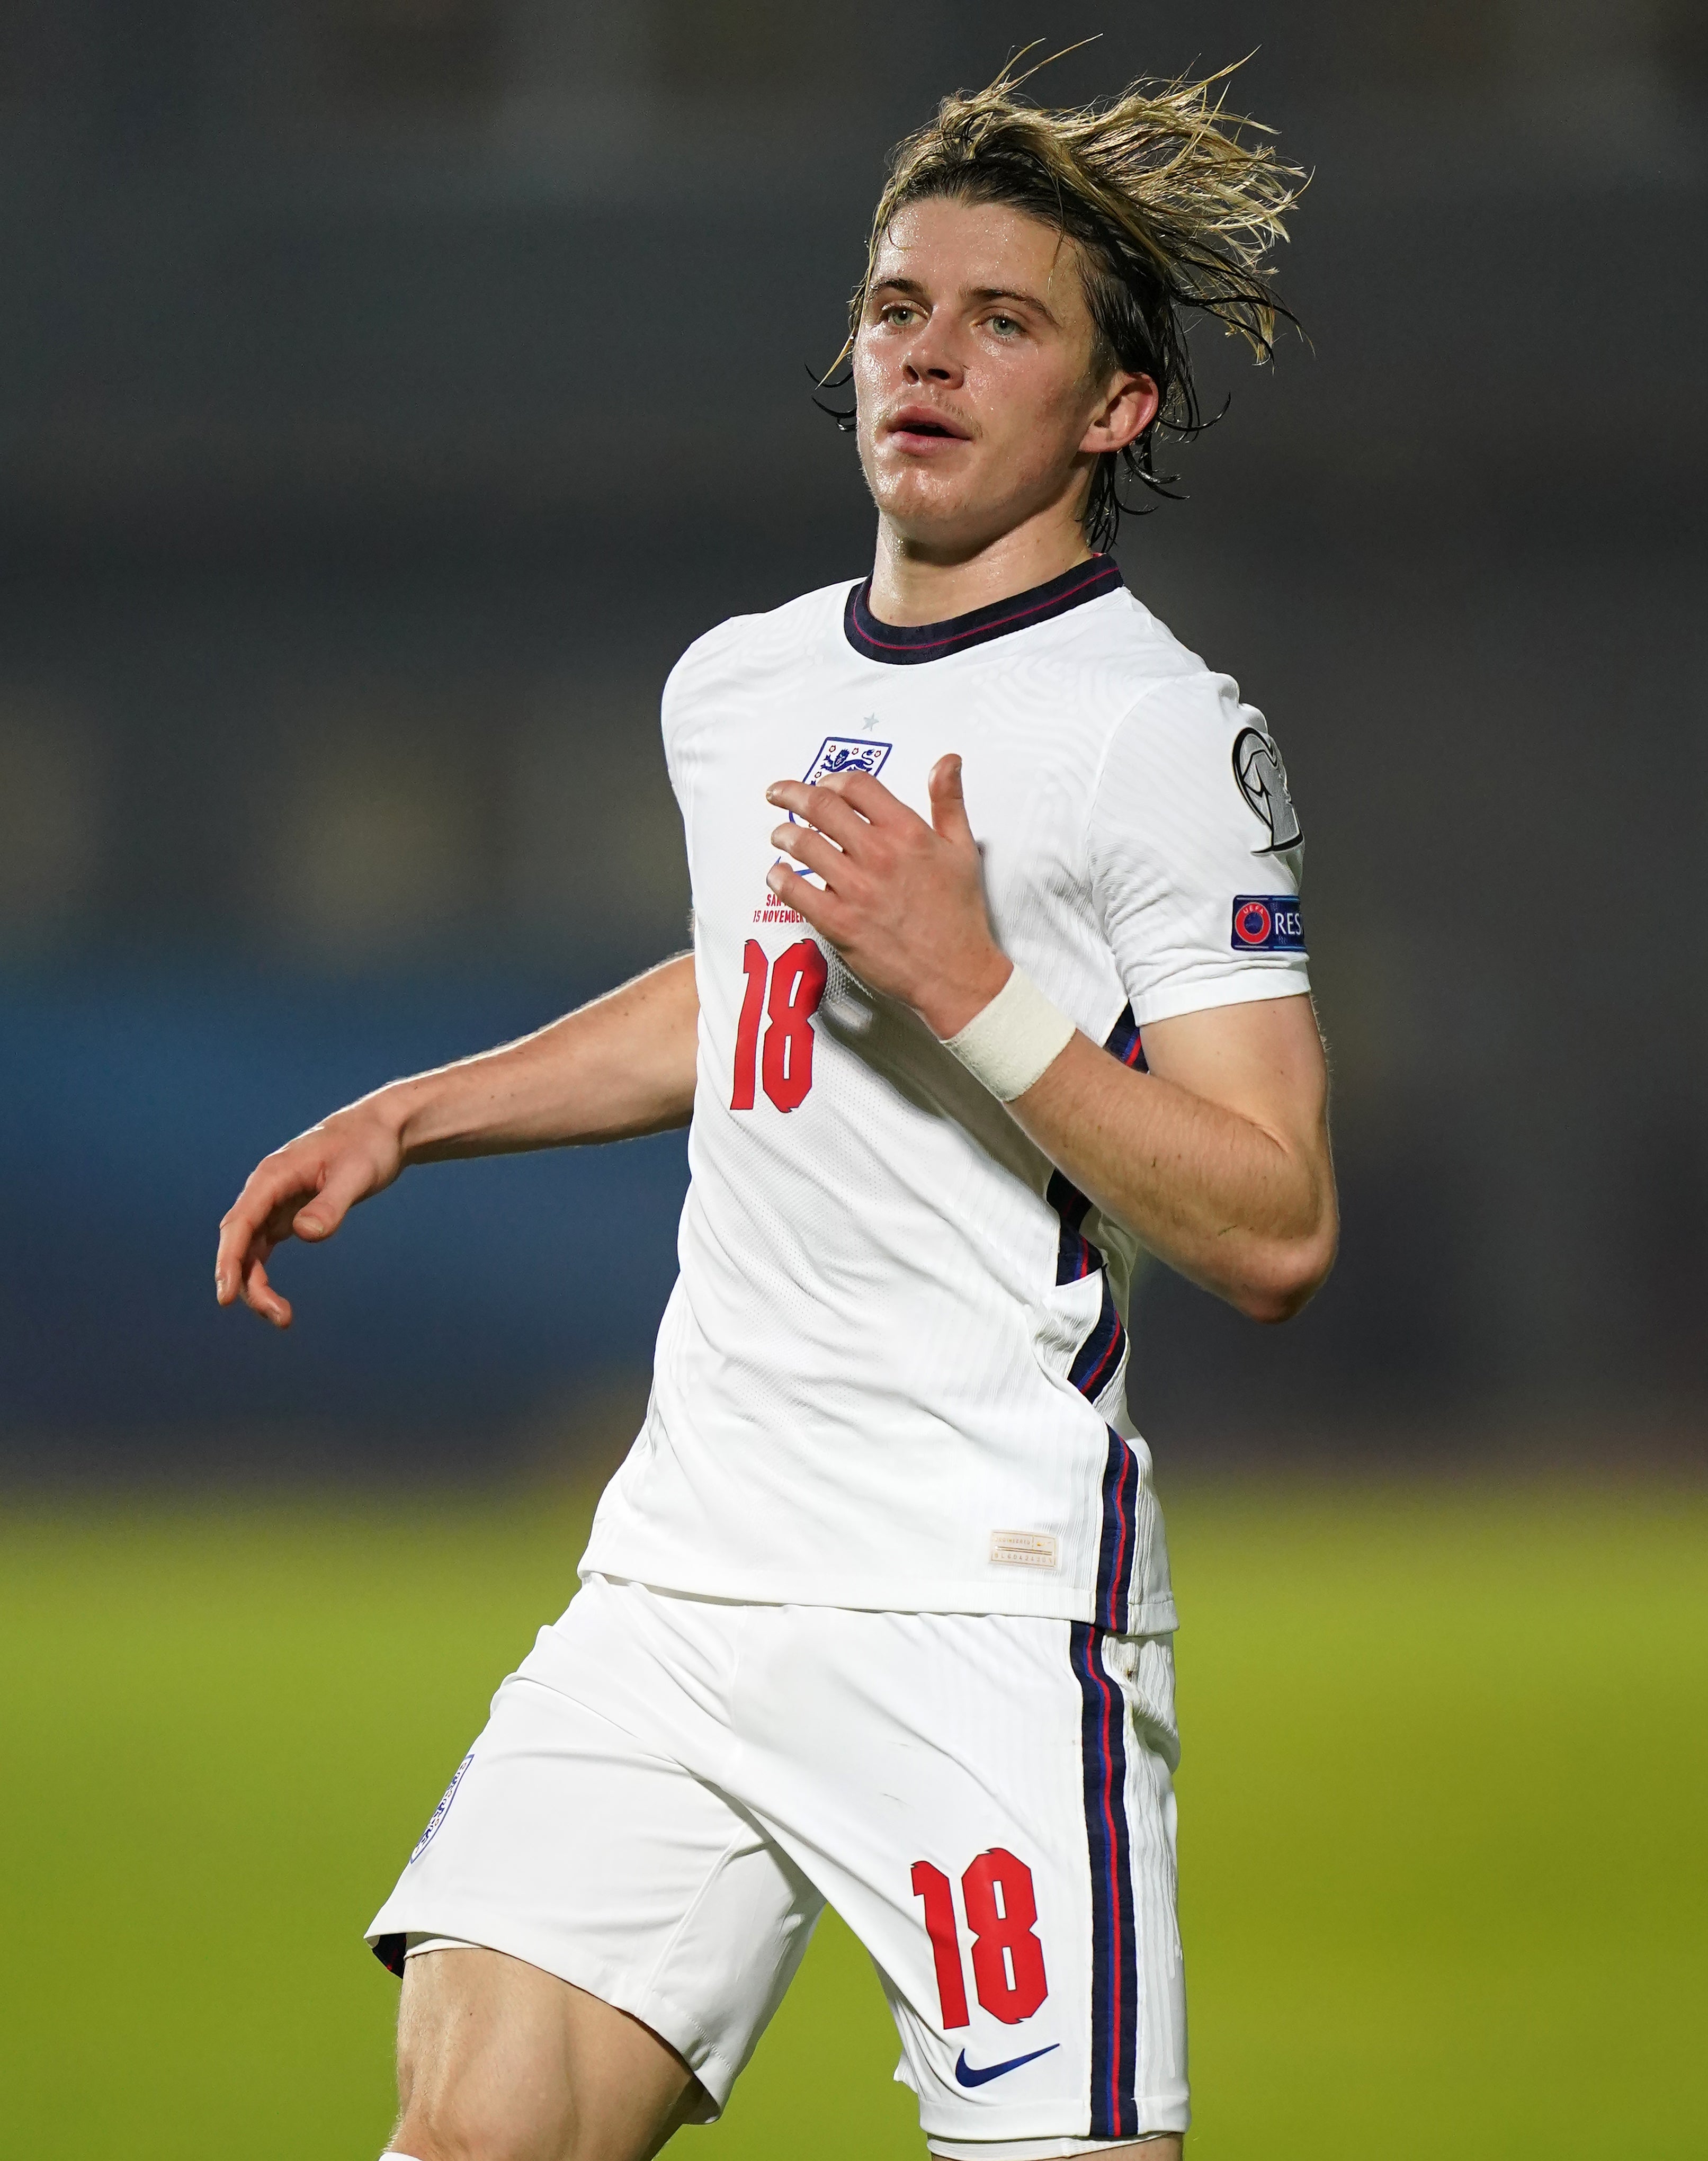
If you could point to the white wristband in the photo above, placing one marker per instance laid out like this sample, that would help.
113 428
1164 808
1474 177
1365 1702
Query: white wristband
1008 1044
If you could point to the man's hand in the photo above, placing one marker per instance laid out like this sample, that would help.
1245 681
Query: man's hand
302 1190
1217 1158
621 1066
903 902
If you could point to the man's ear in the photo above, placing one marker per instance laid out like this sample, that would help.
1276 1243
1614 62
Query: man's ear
1128 407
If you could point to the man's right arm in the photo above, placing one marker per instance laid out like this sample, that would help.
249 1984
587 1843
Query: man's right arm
622 1066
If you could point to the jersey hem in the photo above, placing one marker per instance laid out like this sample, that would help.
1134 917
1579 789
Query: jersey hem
1247 988
1149 1616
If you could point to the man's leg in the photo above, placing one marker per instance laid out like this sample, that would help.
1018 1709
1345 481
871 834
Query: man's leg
636 1932
498 2061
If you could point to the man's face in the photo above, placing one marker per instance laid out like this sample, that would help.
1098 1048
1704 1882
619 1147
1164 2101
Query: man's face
972 376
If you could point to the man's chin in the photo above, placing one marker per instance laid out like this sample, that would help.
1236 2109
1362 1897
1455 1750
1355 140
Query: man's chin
937 519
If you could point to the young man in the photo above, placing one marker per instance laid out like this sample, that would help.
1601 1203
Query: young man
1002 979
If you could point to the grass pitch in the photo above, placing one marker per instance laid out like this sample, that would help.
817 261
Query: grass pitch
1444 1882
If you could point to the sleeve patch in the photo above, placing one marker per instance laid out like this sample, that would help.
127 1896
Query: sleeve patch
1267 923
1263 781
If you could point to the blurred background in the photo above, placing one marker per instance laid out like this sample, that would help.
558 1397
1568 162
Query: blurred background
389 390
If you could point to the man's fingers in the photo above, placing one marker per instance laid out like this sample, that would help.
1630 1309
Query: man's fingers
244 1221
821 909
870 796
262 1214
260 1297
347 1182
304 1190
810 849
792 795
948 802
823 808
267 1186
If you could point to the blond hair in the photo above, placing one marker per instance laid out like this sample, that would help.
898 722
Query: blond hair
1172 212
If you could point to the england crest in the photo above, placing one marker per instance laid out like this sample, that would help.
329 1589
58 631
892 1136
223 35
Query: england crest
842 754
439 1815
835 754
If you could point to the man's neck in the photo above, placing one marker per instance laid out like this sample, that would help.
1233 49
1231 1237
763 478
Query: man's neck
911 586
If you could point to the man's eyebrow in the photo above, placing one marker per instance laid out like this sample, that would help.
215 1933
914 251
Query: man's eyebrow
983 294
1012 293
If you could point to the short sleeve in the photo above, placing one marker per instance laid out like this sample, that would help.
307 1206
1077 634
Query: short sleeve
1196 854
690 688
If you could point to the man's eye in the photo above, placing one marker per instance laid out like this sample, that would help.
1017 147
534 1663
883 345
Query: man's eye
1003 325
896 313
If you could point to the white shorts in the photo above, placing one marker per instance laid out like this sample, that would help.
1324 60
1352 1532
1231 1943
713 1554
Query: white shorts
671 1789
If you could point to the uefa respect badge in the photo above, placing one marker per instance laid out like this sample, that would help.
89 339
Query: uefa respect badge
1267 923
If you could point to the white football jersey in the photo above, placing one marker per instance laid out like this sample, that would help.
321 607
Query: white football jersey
892 1373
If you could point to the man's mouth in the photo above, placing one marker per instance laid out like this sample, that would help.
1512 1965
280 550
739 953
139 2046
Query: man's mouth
922 424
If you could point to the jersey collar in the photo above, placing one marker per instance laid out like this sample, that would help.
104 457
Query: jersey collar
906 645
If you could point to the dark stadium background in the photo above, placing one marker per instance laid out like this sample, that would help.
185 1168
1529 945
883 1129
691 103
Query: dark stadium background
389 390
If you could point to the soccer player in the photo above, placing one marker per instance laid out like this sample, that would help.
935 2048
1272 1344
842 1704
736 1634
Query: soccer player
998 977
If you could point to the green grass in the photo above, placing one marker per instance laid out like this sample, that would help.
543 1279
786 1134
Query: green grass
1442 1825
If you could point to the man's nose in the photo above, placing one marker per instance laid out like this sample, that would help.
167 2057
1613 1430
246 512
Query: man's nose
932 357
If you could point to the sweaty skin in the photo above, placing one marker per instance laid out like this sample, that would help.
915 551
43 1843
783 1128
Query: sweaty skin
981 417
976 323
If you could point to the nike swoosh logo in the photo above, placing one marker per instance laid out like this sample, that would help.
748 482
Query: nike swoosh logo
966 2075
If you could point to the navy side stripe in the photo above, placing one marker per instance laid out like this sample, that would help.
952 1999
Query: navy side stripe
1098 1356
1075 1256
1119 1535
1114 1946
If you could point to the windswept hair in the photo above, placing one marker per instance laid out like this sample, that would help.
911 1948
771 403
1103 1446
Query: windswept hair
1172 211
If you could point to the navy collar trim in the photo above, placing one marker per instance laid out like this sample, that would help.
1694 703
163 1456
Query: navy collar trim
906 645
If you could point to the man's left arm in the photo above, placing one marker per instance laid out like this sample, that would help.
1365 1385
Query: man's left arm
1217 1159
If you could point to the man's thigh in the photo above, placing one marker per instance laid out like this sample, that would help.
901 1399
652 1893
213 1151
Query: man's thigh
593 1859
498 2060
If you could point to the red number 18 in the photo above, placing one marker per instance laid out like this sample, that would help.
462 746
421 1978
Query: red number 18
796 985
1001 1912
